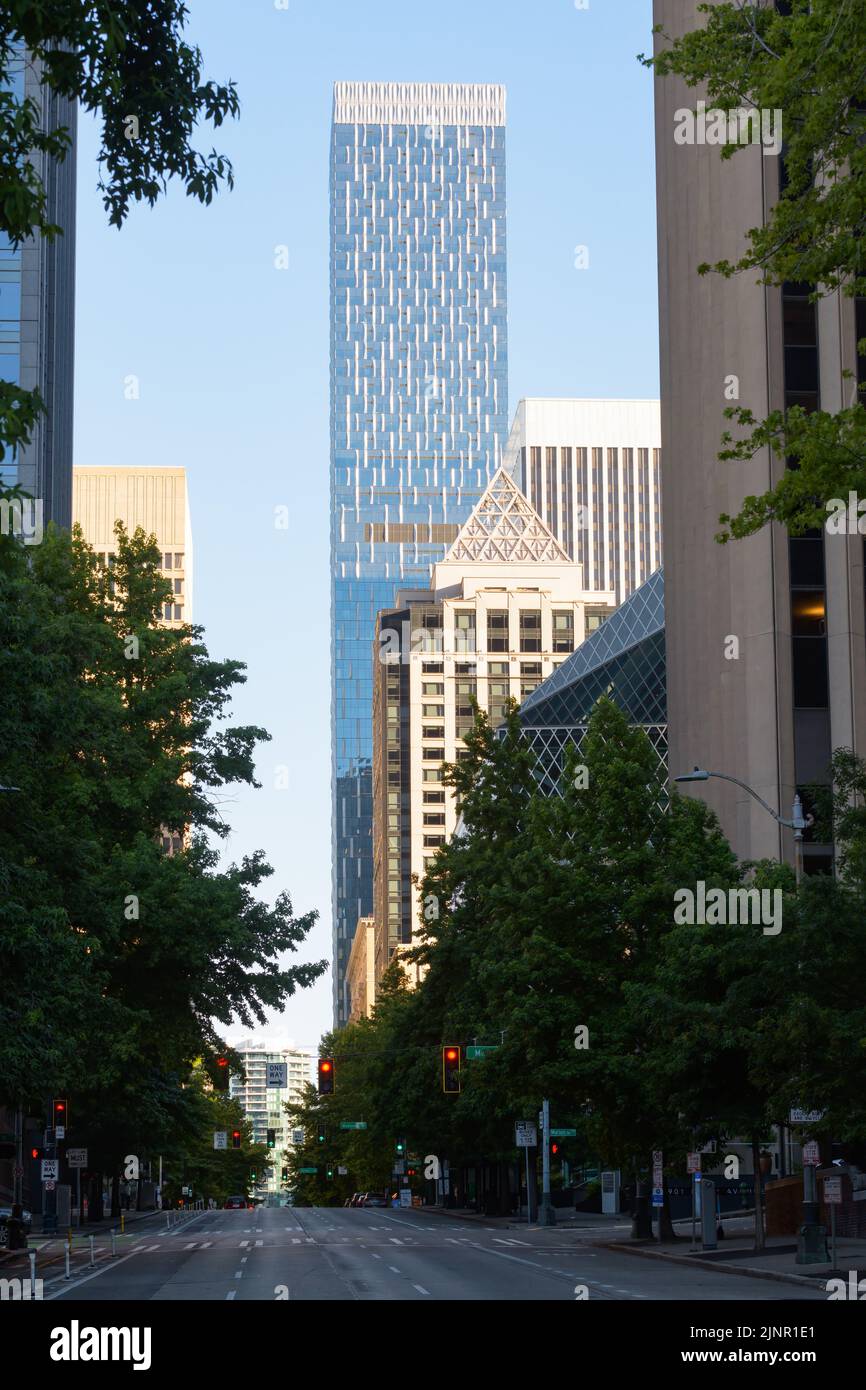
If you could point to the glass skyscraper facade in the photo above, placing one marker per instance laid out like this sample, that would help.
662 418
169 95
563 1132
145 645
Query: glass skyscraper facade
419 409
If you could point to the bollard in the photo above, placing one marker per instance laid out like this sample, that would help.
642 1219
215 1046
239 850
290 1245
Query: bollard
92 1264
168 1220
113 1244
122 1219
67 1275
32 1254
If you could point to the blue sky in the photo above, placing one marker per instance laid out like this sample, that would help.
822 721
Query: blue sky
232 354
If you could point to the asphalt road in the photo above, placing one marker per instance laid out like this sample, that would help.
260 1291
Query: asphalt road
324 1253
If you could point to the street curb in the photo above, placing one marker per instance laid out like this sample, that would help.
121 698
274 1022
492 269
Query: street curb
716 1265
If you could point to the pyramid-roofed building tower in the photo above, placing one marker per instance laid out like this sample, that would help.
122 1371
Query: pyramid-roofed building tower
505 607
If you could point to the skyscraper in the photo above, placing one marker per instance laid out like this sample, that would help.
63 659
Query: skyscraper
37 310
418 392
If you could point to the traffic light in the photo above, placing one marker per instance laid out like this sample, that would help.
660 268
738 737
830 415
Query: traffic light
285 1177
554 1147
252 1175
236 1138
330 1172
272 1138
451 1069
326 1076
35 1153
221 1079
321 1136
59 1113
399 1147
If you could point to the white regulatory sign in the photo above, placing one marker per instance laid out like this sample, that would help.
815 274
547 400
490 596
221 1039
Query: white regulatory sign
76 1158
50 1169
220 1139
525 1134
833 1191
278 1074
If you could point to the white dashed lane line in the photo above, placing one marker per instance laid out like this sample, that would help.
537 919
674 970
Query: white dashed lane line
421 1289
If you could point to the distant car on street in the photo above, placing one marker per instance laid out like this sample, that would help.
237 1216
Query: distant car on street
374 1199
235 1204
6 1212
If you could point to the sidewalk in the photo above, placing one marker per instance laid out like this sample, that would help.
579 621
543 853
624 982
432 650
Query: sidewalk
50 1248
736 1254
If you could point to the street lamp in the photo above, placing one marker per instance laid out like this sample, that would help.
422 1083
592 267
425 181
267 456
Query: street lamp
798 822
811 1232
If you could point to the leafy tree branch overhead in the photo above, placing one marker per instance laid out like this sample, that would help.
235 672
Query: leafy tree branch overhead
130 64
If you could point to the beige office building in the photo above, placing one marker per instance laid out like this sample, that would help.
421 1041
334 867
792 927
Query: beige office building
361 970
766 649
155 499
505 607
590 468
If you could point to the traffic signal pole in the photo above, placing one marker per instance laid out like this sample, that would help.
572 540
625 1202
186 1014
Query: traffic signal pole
546 1216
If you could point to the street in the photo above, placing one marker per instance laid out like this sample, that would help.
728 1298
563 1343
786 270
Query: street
337 1253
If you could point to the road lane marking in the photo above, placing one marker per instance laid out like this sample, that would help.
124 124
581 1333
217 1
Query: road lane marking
260 1242
394 1240
206 1245
231 1295
239 1273
394 1269
243 1243
375 1257
191 1246
421 1289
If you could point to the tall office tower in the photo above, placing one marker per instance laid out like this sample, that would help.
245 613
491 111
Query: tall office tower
264 1105
37 312
590 468
504 608
766 639
418 392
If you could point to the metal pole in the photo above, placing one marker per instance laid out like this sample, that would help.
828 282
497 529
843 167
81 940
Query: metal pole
833 1236
694 1210
114 1243
528 1197
78 1186
67 1275
547 1216
18 1180
32 1254
92 1264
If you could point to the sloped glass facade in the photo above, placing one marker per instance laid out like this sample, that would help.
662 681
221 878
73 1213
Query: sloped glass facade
624 660
418 393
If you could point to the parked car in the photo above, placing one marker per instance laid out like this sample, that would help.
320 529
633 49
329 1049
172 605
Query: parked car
234 1204
375 1199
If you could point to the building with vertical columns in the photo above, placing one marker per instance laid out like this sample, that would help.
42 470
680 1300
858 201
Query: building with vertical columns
155 499
505 607
37 309
418 392
766 640
590 468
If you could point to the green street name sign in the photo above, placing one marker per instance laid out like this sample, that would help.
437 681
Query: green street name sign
308 1170
353 1124
474 1054
563 1133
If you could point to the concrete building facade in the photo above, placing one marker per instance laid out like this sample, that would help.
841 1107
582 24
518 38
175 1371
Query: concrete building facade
264 1105
766 637
590 468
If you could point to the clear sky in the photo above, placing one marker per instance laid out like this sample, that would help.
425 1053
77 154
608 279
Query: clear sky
232 353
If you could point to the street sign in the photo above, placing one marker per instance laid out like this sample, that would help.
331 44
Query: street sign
60 1132
308 1170
399 1167
525 1134
220 1139
353 1124
76 1158
49 1185
694 1163
474 1054
278 1074
832 1191
341 1170
805 1117
658 1178
50 1169
405 1197
812 1154
563 1133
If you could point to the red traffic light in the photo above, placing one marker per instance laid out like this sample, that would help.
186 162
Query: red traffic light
35 1153
554 1148
222 1061
327 1076
59 1110
236 1138
451 1069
